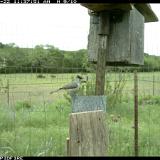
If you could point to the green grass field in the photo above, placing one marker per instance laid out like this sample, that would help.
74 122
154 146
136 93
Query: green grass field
35 123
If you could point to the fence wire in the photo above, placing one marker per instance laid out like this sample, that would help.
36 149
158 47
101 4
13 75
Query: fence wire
36 123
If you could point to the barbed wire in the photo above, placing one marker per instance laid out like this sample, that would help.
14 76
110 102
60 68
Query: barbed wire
43 119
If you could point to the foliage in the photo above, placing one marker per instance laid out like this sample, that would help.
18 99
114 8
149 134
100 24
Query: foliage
43 133
21 60
41 58
149 100
151 62
115 92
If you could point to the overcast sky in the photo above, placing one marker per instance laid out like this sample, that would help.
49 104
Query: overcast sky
65 26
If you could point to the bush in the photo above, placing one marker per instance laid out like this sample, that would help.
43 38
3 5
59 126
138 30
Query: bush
149 100
40 76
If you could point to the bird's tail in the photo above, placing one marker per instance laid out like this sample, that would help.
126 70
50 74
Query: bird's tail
55 91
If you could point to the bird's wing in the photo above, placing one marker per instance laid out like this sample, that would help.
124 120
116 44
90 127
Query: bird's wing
72 85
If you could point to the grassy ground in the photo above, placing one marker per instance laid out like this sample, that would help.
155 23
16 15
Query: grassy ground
36 123
122 130
36 130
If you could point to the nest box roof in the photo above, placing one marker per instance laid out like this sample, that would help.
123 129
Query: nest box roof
144 8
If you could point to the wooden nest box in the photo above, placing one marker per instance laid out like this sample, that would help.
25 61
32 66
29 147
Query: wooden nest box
125 31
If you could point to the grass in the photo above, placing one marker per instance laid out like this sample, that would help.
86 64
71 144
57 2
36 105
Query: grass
36 123
122 131
34 131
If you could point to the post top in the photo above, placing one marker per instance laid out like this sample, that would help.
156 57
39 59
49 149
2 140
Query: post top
144 8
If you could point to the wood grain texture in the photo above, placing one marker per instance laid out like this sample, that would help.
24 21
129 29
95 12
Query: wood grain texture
136 24
147 12
103 23
125 41
88 134
102 52
101 65
93 38
144 8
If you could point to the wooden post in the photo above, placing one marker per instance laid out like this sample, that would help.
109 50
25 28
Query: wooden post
8 92
153 83
88 136
68 148
135 113
102 51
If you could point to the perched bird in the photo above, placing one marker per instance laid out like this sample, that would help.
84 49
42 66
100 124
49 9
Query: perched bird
73 86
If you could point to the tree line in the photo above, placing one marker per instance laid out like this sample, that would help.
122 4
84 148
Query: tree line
47 58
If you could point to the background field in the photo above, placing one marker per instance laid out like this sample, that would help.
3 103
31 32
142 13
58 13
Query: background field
35 123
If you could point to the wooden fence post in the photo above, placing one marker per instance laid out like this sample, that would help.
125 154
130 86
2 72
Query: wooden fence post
88 136
136 113
8 92
153 84
68 148
102 52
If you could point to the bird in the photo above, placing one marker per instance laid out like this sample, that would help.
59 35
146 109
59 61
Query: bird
73 86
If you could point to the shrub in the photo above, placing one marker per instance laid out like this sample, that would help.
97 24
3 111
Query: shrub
40 76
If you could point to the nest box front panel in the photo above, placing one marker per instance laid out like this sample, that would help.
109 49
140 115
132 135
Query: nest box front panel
125 40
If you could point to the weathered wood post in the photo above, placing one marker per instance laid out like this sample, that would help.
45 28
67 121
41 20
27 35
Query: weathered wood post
88 113
153 83
87 134
102 49
8 92
68 147
135 113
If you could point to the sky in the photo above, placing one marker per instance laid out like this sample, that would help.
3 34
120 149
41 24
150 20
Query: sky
65 26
